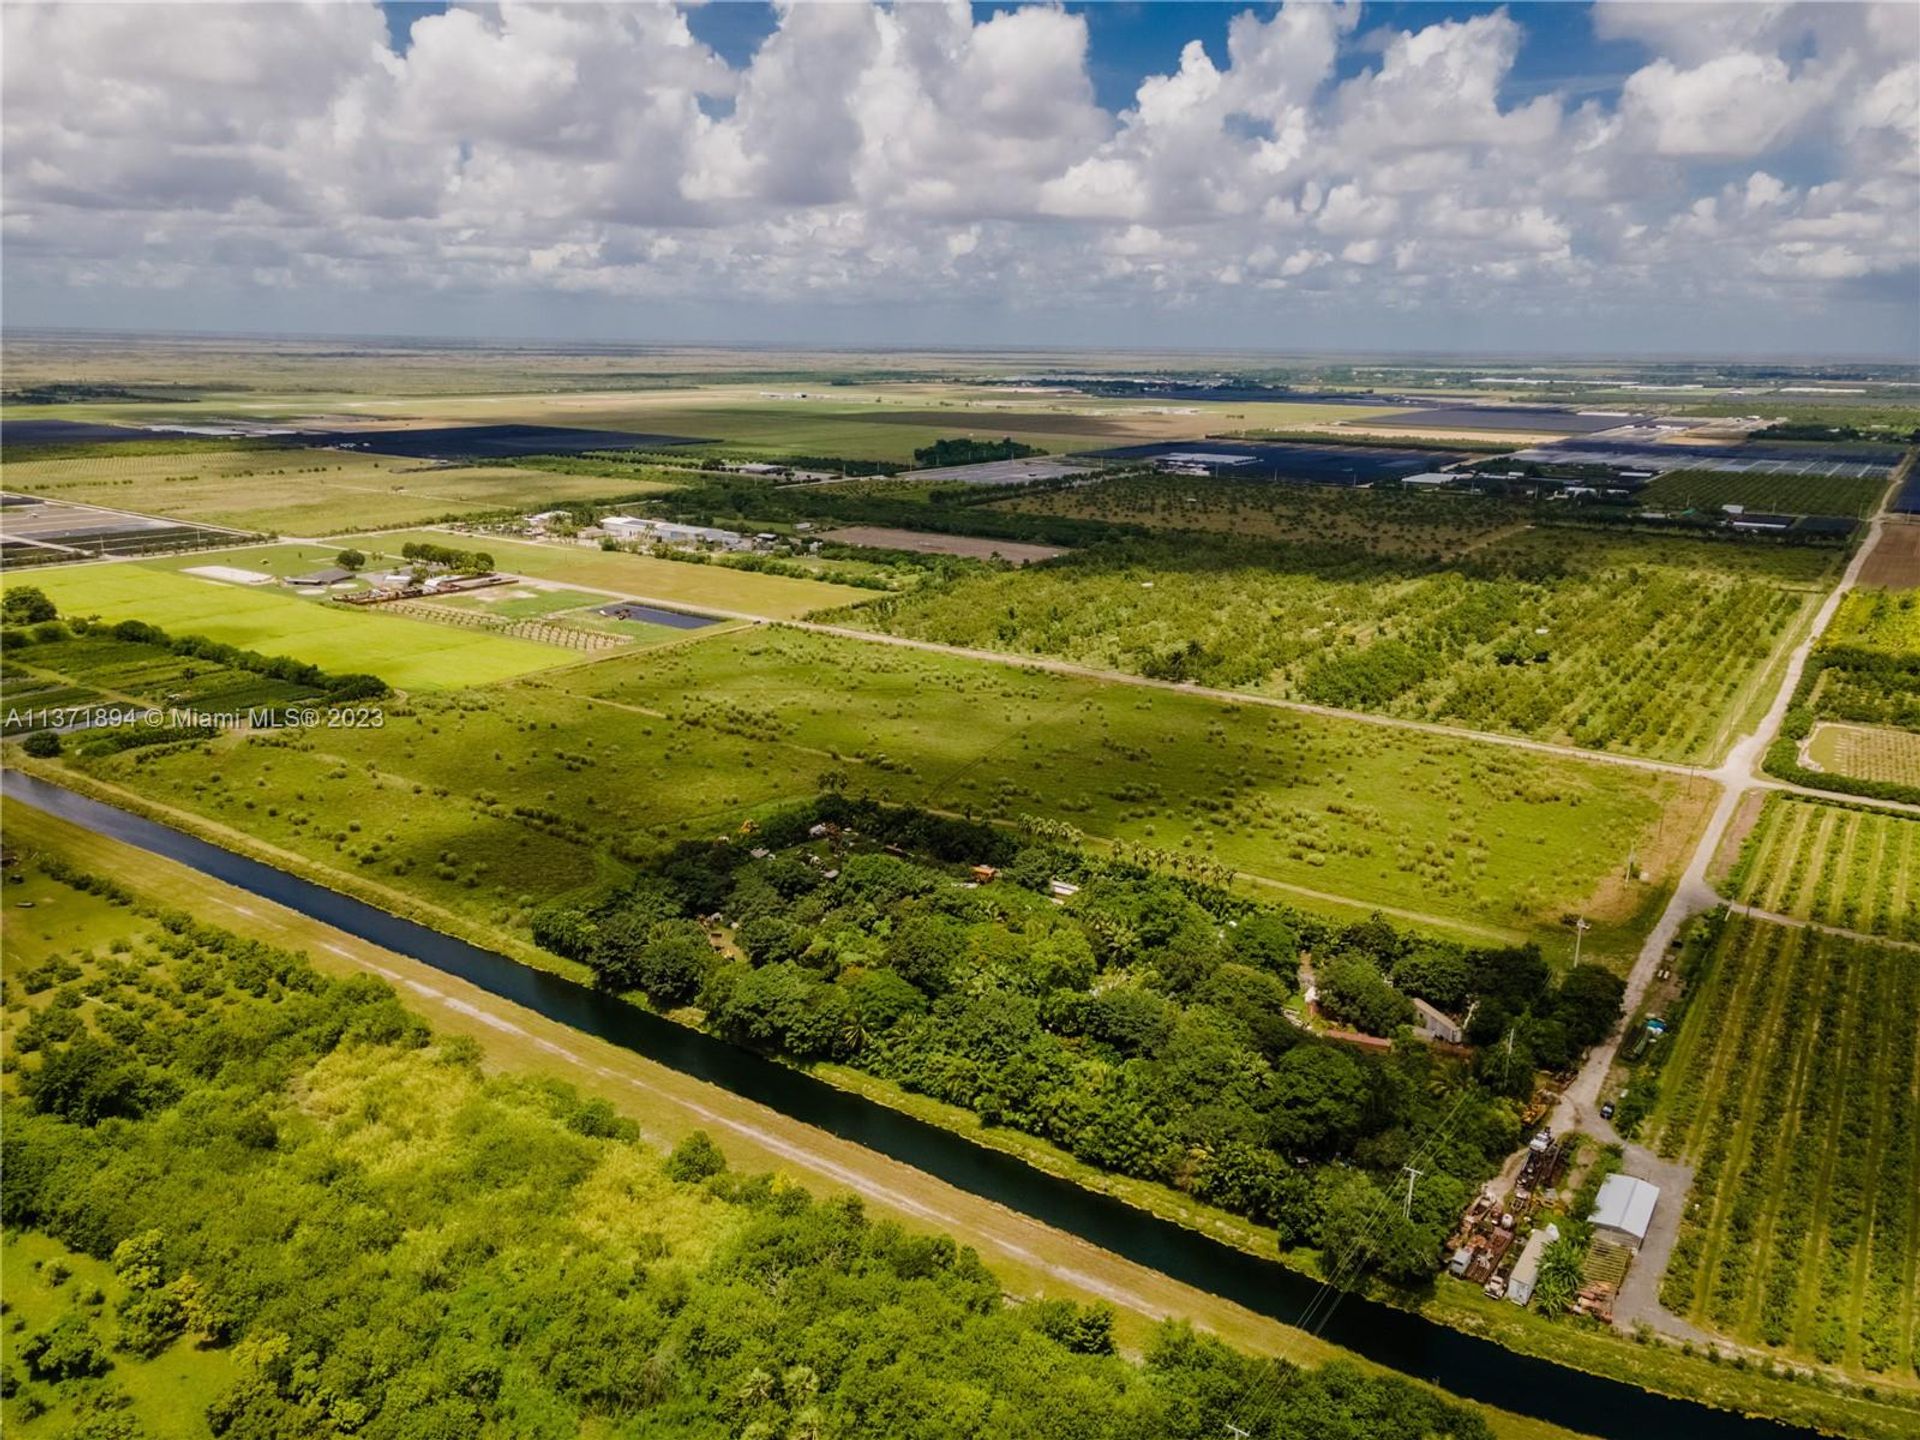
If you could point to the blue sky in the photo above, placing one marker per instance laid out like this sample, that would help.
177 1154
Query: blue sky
1535 177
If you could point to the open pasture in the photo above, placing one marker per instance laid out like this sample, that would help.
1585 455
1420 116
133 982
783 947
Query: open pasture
1647 645
554 778
270 619
1779 493
1794 1091
673 582
1855 869
1379 521
304 492
1867 752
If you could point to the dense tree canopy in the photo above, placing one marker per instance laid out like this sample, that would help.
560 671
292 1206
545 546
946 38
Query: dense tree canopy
389 1244
1141 1024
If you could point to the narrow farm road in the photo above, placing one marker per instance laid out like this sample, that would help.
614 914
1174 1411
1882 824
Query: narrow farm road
1115 677
1246 697
1579 1106
1773 917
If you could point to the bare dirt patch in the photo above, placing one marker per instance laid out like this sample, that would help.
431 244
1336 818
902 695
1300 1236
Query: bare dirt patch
1894 563
924 542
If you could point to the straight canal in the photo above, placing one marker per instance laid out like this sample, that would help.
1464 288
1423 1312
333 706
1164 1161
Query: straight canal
1466 1365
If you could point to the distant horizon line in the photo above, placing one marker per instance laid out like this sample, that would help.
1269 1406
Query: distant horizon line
584 345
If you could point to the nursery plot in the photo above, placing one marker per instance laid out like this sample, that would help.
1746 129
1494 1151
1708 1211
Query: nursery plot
270 619
674 582
1855 869
1825 492
1867 752
1793 1091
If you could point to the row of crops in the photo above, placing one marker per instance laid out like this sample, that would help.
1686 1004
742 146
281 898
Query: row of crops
99 669
1793 1091
1782 494
1637 646
1868 752
1857 869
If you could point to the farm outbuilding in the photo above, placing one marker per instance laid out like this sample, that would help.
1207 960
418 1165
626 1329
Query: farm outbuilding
1625 1208
1434 1024
333 575
1526 1270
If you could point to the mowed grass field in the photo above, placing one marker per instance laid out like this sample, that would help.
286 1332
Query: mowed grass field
407 654
672 582
302 492
1856 869
490 801
1793 1090
1785 494
1867 752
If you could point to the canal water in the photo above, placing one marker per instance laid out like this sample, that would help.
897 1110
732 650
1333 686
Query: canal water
1466 1365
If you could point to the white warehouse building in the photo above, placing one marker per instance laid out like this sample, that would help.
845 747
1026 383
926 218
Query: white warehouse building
1624 1208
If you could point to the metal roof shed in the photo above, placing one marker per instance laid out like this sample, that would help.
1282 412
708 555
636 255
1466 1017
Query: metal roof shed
1625 1206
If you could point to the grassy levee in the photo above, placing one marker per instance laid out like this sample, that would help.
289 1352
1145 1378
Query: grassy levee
1031 1259
668 1104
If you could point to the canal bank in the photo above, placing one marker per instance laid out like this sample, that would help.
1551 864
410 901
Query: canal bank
1465 1365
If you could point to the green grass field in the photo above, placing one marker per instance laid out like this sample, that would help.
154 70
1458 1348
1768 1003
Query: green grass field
487 802
1784 494
304 492
407 654
1650 646
673 582
1855 869
1792 1091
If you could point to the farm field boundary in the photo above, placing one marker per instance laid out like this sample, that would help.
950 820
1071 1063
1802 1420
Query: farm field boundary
1794 1089
1842 866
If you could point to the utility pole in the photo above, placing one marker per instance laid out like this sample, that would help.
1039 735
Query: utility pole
1237 1433
1412 1174
1580 928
